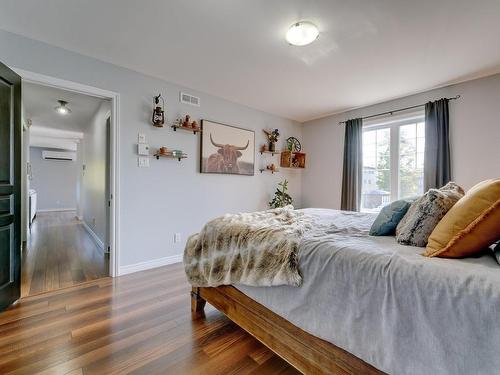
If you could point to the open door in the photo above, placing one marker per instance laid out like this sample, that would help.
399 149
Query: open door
10 186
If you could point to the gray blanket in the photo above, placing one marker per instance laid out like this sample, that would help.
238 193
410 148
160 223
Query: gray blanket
385 303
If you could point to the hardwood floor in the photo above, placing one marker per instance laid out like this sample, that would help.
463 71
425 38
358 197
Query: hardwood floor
135 324
60 253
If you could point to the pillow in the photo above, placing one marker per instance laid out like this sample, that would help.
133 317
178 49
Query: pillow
389 217
496 251
424 214
471 225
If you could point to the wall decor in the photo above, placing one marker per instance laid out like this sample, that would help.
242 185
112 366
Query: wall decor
227 149
186 124
158 118
293 144
272 137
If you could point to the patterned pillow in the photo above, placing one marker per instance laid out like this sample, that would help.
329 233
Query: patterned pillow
424 214
496 250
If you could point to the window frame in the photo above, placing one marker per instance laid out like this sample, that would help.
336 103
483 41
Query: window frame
393 123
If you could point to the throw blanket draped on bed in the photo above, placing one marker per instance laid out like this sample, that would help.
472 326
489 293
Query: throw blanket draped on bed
256 249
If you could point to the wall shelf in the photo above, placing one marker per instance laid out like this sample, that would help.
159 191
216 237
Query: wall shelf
268 170
270 152
187 128
293 159
170 156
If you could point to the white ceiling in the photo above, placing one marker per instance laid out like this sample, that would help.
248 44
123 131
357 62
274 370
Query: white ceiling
39 102
367 52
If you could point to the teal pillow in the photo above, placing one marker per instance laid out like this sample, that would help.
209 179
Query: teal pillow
387 220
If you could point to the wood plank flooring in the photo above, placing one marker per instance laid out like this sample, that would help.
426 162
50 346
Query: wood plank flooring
134 324
60 253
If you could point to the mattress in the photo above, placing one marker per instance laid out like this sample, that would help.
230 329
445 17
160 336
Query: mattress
388 305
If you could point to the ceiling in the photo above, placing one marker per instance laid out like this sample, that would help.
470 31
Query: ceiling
39 102
367 52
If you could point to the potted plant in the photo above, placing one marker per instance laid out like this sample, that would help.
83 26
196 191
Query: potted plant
281 197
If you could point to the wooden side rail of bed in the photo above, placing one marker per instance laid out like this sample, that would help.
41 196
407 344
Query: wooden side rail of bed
307 353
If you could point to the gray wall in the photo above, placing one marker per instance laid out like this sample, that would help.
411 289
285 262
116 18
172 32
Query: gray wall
170 196
93 197
474 132
54 181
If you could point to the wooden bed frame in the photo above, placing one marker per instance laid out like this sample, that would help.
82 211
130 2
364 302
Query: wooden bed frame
307 353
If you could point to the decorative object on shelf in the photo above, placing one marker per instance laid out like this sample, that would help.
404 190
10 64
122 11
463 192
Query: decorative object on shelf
271 168
290 159
158 118
281 197
263 149
293 144
227 149
186 125
166 153
272 137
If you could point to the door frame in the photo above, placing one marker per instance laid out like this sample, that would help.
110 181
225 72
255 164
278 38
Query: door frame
114 188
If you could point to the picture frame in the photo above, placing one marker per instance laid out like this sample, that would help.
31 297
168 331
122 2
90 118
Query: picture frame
226 149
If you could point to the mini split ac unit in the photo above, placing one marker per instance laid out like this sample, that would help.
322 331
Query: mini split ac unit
58 155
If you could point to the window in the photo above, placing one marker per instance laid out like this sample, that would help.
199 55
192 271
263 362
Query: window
393 160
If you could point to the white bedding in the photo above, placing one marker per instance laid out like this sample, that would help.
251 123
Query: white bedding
390 306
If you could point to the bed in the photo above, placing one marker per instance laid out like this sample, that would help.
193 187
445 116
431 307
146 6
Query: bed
369 305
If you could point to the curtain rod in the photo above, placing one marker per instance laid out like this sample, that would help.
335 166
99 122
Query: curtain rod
397 110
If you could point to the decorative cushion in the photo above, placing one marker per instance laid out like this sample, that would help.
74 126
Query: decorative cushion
424 214
387 220
471 225
496 251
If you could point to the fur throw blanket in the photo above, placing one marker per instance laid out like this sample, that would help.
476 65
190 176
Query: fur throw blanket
256 249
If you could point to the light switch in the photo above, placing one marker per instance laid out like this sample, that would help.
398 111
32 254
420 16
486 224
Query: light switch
143 149
141 138
143 161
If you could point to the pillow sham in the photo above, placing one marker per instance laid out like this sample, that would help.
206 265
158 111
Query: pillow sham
471 225
387 220
496 251
425 213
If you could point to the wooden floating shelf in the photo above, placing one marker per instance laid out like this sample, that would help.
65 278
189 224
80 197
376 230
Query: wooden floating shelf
293 167
187 128
270 152
268 170
170 156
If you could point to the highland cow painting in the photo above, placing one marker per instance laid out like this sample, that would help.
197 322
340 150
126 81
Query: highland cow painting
227 149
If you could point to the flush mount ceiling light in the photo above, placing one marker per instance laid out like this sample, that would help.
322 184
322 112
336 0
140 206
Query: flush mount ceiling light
302 33
61 108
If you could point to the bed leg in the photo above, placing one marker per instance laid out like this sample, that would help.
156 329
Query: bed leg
197 303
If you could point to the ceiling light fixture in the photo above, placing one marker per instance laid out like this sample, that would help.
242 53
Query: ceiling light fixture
61 108
302 33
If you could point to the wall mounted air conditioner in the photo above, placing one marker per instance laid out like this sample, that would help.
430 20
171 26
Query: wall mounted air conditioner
58 155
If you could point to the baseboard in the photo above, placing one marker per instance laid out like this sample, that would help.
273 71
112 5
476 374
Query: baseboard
94 236
147 265
55 209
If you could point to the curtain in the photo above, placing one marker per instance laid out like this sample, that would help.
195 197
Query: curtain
437 164
353 165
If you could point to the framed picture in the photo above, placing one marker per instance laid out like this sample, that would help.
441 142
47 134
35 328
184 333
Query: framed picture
226 149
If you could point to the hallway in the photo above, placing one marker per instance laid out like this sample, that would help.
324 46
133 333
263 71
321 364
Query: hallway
59 254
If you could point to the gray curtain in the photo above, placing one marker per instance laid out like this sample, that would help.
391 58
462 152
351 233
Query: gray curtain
437 164
353 165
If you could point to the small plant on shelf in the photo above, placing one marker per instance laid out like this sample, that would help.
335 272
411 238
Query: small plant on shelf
281 197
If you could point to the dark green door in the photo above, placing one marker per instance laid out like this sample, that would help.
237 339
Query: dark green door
10 186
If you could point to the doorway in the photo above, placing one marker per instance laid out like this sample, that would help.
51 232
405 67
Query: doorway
70 184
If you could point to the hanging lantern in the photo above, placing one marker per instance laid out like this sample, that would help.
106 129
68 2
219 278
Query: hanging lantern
158 112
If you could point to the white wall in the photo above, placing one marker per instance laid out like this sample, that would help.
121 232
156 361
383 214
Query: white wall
93 198
169 197
54 181
474 138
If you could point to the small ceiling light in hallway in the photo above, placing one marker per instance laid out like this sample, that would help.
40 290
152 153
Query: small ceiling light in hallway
62 108
302 33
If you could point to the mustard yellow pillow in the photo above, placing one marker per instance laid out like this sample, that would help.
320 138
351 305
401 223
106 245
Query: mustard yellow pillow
472 224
